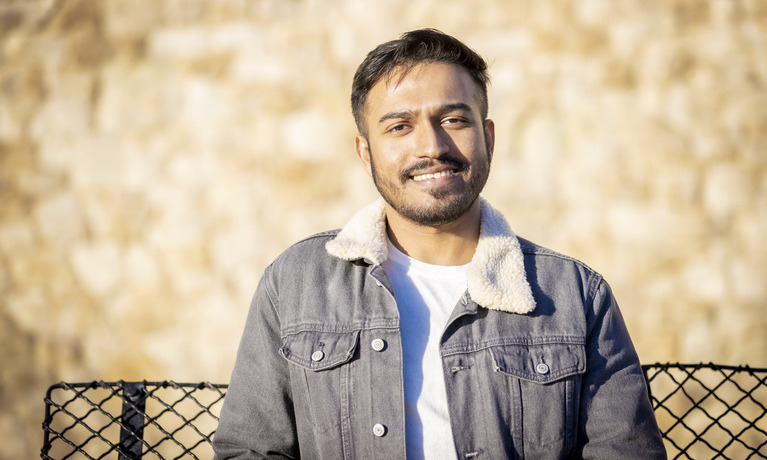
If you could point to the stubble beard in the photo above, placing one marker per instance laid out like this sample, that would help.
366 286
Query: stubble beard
448 207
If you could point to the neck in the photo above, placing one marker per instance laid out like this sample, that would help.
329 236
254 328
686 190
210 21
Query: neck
453 243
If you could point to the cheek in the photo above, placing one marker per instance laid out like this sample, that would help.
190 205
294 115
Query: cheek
390 155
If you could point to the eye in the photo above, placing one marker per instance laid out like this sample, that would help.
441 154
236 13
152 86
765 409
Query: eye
454 120
398 127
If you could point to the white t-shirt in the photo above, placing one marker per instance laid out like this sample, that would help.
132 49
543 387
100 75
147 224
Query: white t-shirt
426 296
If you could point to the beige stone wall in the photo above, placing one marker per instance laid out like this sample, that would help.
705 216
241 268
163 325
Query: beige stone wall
155 155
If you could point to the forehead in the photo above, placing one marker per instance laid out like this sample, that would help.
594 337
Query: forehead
424 86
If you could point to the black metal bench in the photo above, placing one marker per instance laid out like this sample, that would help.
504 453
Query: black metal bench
704 411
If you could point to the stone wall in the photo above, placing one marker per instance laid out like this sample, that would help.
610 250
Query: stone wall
155 155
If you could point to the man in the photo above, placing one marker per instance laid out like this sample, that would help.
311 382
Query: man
425 328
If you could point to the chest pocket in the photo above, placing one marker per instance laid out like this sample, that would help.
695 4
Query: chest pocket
321 376
545 381
319 350
545 363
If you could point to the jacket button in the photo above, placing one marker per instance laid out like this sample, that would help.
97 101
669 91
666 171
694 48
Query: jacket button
379 430
378 344
542 368
318 355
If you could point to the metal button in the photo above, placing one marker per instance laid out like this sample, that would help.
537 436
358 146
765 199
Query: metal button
318 355
379 430
542 368
378 344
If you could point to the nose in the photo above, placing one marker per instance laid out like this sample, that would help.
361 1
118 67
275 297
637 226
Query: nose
432 141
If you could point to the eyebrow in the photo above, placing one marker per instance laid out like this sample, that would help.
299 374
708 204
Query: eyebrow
456 106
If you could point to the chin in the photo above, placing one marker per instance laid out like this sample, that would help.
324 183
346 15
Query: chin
439 213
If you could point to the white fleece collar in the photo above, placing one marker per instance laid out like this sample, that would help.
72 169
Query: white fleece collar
495 276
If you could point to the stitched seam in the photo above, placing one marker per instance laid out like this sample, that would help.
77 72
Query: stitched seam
368 325
470 348
566 372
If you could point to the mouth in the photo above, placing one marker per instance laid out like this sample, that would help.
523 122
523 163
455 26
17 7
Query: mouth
436 175
444 168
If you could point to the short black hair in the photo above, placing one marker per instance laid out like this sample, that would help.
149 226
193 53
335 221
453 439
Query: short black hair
411 49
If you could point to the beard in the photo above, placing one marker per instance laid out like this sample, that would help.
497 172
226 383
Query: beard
447 204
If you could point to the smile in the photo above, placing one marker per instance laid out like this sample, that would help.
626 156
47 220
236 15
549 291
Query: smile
421 177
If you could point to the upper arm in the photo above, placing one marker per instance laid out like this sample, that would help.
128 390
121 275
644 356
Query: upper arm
616 419
257 418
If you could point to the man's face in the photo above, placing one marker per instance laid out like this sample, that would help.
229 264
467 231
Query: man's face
427 147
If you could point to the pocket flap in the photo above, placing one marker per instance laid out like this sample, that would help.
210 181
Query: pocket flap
543 363
319 350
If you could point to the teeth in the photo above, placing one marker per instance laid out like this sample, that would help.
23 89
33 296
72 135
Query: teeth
421 177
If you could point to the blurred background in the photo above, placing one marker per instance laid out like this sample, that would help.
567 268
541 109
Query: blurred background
155 155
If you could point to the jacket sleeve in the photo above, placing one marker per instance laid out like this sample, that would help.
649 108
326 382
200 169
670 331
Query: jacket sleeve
257 419
616 419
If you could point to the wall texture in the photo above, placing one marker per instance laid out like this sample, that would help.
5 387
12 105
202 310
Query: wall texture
155 155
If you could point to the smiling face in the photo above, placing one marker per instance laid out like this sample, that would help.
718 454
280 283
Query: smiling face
427 147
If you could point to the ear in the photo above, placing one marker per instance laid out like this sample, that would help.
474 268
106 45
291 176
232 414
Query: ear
490 137
362 149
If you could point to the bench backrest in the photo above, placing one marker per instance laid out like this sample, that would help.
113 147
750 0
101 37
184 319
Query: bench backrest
704 411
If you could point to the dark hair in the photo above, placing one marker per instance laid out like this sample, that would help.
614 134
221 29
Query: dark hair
411 49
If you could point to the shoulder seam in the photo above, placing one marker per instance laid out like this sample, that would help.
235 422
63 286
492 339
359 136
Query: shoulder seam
329 233
531 248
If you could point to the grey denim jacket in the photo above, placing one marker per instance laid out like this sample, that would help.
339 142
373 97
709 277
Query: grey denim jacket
536 357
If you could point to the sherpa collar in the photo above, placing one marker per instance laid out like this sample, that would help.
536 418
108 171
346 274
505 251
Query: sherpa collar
495 276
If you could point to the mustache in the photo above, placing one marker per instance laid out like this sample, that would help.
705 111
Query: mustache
412 170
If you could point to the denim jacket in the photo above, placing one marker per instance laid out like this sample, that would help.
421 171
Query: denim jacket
536 357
